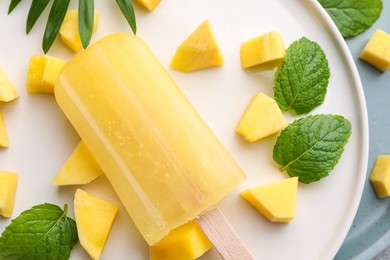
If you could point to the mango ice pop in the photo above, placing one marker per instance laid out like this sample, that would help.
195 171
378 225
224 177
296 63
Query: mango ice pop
163 161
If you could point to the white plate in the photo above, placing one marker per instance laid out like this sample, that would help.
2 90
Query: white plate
41 138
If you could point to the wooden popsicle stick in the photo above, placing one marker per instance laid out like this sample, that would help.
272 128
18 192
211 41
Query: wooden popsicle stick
222 235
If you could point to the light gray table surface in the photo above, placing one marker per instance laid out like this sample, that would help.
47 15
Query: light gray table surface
370 232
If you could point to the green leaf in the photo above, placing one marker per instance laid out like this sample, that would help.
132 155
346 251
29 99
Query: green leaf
127 9
36 9
353 17
86 20
310 147
56 16
42 232
302 80
12 5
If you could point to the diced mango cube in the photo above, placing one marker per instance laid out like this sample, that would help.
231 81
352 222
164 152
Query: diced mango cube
8 185
261 118
43 71
268 48
199 51
380 176
186 242
149 4
80 168
276 201
94 219
377 51
69 31
3 132
8 91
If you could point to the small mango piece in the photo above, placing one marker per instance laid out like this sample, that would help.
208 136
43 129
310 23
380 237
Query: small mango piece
199 51
8 185
276 201
94 218
186 242
80 168
266 49
43 71
69 31
149 4
377 51
8 91
261 118
3 132
380 176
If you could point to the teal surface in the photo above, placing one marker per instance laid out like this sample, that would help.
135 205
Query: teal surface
370 232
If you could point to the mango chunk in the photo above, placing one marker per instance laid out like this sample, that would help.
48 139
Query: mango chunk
266 49
3 132
261 118
69 31
149 4
43 71
199 51
380 176
8 185
276 201
8 91
377 51
94 218
186 242
80 168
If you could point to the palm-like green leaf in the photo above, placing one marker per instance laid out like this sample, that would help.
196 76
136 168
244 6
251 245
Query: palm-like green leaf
127 9
12 5
56 16
86 20
36 9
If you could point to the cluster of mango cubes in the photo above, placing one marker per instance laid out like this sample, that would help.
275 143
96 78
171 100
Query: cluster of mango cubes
8 180
377 53
262 118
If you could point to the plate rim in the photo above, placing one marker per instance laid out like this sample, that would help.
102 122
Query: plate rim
364 123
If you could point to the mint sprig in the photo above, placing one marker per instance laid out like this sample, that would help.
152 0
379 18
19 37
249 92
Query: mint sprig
302 80
57 15
310 147
353 17
42 232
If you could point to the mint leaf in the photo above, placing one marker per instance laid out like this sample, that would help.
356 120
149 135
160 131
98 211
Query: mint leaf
310 147
42 232
302 80
352 17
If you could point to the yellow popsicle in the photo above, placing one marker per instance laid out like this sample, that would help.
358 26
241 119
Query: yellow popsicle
164 162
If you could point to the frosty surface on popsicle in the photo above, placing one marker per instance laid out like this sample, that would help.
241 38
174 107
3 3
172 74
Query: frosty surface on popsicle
163 161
